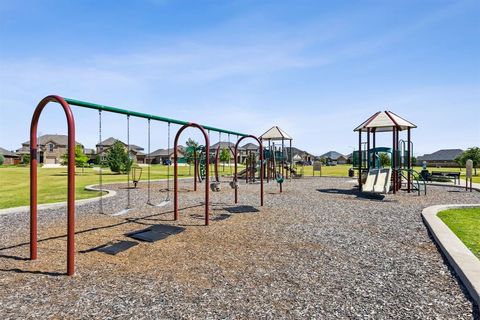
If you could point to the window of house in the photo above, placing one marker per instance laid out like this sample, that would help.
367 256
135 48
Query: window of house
50 147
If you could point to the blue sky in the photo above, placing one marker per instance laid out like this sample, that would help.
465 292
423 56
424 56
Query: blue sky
315 68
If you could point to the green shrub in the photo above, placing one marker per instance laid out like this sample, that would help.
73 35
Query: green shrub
2 159
118 159
26 159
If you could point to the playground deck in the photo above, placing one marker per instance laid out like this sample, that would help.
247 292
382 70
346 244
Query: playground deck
317 250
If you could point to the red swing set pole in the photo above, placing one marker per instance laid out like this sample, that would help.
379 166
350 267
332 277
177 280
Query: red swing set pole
175 171
260 145
71 181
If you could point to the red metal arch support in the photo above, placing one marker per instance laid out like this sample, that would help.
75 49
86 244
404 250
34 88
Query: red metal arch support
71 181
175 172
261 166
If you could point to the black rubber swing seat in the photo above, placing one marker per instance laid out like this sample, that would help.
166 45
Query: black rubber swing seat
155 233
117 247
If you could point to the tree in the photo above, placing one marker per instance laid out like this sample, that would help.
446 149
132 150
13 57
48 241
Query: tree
80 158
471 153
414 160
97 160
225 156
2 159
384 160
192 146
118 158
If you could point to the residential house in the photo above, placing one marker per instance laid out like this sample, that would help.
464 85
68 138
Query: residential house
223 145
91 154
299 155
161 156
244 150
10 157
50 148
440 158
334 158
135 151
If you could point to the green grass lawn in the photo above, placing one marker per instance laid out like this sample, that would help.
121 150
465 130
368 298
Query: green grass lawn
342 171
52 183
465 223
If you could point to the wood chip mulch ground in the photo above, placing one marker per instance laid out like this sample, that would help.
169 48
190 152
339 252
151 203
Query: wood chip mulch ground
318 250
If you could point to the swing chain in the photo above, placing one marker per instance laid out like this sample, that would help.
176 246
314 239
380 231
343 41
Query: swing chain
100 176
129 159
168 166
149 164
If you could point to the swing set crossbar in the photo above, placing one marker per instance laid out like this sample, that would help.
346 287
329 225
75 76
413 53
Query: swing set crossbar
90 105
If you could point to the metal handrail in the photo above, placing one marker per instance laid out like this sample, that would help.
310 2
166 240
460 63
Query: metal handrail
417 177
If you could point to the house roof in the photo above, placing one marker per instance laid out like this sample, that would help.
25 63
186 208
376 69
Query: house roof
275 133
384 121
334 155
110 141
223 145
6 153
89 151
58 139
164 152
441 155
249 146
296 151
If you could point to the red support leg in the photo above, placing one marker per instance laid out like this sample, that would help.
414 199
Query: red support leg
71 181
207 172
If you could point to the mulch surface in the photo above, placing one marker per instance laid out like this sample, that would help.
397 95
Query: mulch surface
318 250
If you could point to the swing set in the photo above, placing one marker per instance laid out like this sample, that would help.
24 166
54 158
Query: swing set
65 103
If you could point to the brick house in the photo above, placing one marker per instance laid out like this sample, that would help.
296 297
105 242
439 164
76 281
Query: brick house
334 158
160 156
51 147
10 157
136 152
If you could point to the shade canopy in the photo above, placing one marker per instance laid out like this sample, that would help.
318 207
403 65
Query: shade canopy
385 121
275 133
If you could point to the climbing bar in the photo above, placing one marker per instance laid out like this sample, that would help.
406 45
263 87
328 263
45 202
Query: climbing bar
95 106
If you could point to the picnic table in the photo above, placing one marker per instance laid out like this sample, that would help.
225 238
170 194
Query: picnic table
447 174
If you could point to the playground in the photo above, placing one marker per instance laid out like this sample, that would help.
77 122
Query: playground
263 239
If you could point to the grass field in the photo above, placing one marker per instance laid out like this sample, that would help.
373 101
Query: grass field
52 183
342 171
465 223
52 186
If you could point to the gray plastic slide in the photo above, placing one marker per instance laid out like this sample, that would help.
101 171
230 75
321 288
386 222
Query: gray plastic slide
378 181
369 184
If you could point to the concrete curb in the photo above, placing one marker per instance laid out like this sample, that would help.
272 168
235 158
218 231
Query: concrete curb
463 261
56 205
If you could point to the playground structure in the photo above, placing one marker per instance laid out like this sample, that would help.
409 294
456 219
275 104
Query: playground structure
372 177
273 163
65 104
277 165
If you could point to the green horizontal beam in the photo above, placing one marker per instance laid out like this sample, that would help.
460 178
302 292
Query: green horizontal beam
95 106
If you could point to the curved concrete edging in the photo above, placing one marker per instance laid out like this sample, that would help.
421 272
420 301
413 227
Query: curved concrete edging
463 261
56 205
